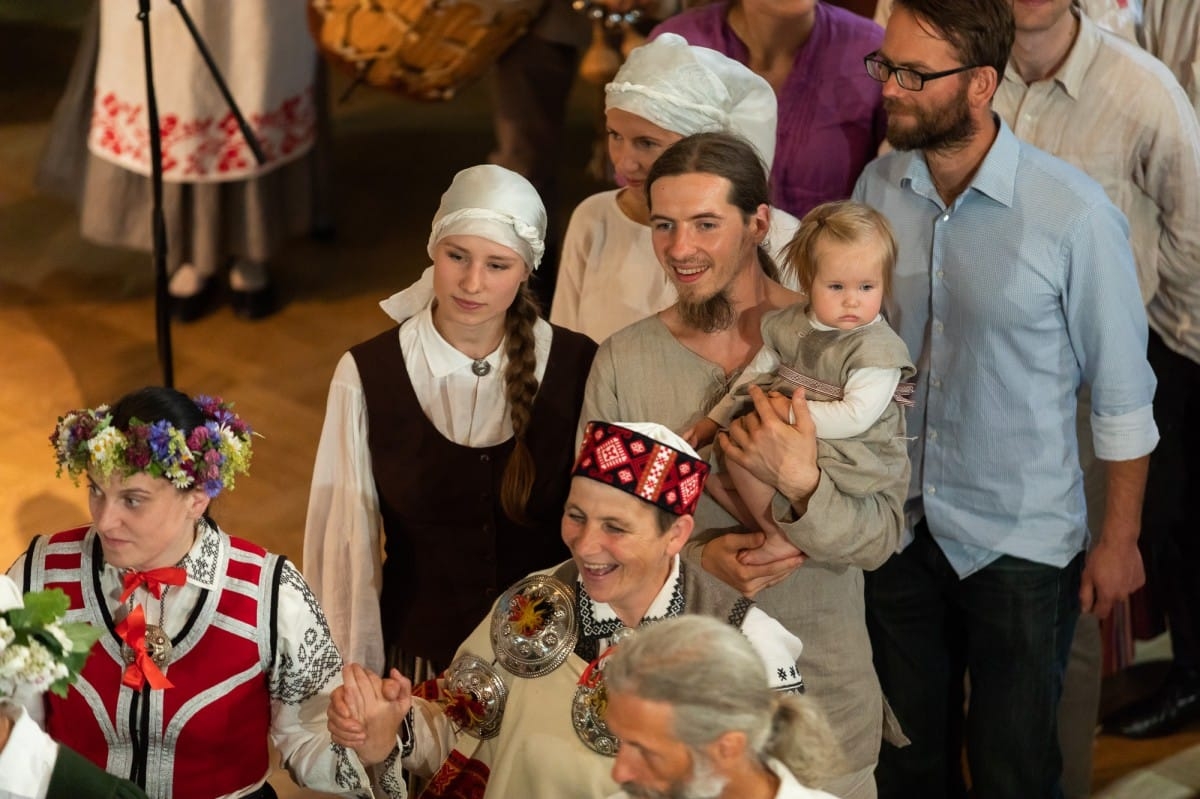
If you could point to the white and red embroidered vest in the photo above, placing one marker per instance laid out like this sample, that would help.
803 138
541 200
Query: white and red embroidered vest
206 736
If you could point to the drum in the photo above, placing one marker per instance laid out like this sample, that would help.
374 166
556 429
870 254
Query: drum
424 49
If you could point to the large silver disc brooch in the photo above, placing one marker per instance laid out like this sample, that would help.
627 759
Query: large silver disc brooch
534 627
473 697
590 706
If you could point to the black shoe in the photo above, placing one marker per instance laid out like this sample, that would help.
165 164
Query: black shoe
195 306
256 304
1171 707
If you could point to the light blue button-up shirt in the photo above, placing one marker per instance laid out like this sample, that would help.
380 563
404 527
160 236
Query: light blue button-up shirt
1009 299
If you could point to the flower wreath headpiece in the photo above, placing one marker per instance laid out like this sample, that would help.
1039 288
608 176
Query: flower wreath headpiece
210 455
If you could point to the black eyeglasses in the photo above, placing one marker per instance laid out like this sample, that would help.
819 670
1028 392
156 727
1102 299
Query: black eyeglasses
909 79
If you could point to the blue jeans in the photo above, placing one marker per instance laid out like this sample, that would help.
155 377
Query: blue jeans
1007 626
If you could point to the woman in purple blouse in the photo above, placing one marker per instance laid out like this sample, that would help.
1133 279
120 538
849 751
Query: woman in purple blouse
831 118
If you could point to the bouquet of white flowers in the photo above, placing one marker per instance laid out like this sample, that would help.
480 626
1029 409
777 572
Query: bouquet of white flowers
38 650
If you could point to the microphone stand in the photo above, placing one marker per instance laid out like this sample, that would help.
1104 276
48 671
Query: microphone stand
162 316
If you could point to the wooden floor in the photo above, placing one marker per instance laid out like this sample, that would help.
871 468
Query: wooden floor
76 321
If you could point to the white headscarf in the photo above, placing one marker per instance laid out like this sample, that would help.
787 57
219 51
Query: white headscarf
686 90
497 204
487 201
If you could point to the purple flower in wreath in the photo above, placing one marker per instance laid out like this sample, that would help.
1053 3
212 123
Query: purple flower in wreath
208 405
212 487
159 440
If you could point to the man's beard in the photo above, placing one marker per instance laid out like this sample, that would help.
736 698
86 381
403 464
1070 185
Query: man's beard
710 315
704 783
939 129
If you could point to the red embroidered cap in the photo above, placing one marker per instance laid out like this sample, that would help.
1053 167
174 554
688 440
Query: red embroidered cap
643 459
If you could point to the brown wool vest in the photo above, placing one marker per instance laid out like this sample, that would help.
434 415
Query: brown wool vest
450 549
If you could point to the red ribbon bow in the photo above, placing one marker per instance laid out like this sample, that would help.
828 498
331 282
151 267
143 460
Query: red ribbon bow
154 579
593 675
143 669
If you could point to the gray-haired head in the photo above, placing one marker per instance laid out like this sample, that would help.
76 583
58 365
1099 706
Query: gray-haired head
715 682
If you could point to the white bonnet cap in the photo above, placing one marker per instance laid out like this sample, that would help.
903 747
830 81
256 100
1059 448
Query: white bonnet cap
687 89
496 204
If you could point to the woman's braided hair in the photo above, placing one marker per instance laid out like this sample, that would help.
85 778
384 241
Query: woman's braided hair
520 387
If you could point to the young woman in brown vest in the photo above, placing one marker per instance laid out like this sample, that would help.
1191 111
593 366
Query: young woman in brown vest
451 435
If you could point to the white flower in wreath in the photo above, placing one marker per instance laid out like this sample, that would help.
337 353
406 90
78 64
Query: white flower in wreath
106 447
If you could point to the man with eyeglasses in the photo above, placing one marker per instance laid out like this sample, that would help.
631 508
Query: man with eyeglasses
1015 285
1118 114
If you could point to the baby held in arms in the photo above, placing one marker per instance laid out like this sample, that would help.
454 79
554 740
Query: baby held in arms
839 353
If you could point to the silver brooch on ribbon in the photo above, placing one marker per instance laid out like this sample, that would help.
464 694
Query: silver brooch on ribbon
534 627
589 707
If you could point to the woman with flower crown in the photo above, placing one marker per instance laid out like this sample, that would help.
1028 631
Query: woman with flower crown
451 435
211 645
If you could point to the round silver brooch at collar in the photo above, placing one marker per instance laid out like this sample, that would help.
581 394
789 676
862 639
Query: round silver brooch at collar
534 627
473 697
588 710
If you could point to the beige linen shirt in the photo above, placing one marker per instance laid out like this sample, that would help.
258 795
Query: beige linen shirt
1171 32
643 373
1119 115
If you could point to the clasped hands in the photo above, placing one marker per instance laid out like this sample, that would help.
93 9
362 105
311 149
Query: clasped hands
366 712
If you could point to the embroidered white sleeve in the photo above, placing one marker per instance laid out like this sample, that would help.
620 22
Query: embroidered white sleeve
307 668
433 739
779 649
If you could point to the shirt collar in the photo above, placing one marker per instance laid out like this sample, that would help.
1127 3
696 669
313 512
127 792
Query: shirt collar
442 358
995 178
1083 51
1071 73
201 560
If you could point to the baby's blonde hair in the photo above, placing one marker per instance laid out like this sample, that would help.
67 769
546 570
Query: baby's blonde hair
845 221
